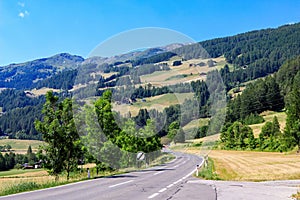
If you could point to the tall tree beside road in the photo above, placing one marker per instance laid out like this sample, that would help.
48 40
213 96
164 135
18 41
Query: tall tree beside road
59 132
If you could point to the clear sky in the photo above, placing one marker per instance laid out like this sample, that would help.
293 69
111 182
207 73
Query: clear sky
31 29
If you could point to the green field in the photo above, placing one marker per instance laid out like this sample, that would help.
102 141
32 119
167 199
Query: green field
21 146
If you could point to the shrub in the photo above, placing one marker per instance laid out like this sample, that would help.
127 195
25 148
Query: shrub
253 119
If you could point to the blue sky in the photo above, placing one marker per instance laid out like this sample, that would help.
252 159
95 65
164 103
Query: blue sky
31 29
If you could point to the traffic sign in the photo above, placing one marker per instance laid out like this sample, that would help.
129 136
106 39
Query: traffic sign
140 156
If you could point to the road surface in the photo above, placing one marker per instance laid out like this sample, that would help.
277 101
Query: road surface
168 181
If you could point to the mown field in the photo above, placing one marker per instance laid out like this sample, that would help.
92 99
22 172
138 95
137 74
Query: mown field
250 165
256 166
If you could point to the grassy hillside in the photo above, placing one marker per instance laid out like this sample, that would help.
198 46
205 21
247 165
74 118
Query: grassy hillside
188 71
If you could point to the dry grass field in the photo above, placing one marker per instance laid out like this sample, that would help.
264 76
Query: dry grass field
252 166
256 166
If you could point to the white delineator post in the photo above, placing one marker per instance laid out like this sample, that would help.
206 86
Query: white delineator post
197 170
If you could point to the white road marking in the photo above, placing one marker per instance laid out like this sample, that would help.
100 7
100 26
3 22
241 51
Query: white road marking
177 181
170 185
158 172
153 195
162 190
111 186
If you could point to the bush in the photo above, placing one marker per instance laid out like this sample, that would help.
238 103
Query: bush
253 119
18 166
177 63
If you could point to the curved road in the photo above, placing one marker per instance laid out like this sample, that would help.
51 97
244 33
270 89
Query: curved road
168 181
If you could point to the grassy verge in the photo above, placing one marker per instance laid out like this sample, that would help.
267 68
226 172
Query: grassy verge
296 196
208 171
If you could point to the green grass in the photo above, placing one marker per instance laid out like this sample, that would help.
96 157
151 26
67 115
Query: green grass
180 76
296 196
14 172
30 186
21 145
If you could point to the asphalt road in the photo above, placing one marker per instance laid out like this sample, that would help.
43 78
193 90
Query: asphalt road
169 181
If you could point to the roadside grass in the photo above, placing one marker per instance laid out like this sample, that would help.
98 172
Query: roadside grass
296 196
208 171
21 146
16 181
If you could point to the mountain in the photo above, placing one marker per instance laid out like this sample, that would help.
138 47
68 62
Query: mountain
133 55
23 75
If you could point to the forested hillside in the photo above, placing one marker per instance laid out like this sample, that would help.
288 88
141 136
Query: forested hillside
257 53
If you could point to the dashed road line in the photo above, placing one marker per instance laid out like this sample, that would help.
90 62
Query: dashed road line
162 190
153 195
111 186
158 172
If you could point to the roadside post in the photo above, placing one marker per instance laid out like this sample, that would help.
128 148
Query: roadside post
140 157
205 161
197 170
